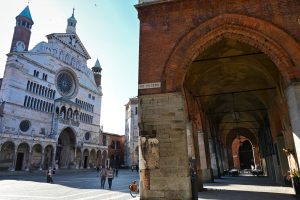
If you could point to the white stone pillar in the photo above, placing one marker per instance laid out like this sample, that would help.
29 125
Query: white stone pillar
42 159
53 159
13 167
293 99
28 164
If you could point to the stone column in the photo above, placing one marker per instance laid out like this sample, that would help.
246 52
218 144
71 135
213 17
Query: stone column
163 160
81 159
42 159
13 167
28 166
293 99
88 160
206 175
75 157
53 158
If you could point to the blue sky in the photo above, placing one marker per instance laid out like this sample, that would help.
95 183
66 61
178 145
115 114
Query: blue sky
109 30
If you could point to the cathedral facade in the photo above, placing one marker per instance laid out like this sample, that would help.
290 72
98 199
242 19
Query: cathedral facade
50 102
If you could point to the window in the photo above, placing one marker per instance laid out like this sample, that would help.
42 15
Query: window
93 97
104 140
44 77
87 136
24 125
43 131
136 110
90 95
36 73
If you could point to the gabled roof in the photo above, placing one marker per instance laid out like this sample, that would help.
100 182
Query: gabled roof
72 41
26 13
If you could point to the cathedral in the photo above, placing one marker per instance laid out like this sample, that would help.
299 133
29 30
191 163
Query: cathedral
50 102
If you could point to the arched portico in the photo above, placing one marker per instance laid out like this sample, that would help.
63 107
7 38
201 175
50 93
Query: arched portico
229 72
66 143
7 155
22 157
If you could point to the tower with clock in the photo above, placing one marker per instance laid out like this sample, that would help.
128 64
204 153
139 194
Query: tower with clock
22 32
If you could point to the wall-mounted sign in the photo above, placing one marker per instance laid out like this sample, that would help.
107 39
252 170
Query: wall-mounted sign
149 85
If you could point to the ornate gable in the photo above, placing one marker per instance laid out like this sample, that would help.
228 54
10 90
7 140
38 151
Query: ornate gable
72 41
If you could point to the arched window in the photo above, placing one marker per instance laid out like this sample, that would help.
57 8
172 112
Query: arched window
43 91
36 89
53 95
28 83
31 103
25 100
40 90
33 89
38 104
30 86
28 102
34 105
43 105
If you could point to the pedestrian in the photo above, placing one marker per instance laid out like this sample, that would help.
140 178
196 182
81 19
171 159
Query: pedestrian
98 170
137 168
49 175
117 171
132 168
110 176
103 174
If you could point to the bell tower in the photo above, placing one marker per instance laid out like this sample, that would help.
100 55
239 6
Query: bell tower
21 37
97 73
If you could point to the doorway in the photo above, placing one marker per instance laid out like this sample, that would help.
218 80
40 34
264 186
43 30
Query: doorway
19 163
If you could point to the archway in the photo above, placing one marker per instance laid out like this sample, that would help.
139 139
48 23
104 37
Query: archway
49 153
93 158
7 155
246 155
86 158
22 159
65 149
36 157
204 77
104 159
99 159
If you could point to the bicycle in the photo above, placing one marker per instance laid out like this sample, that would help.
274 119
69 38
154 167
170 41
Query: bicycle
134 189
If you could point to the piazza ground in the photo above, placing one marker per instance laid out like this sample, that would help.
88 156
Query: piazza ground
84 185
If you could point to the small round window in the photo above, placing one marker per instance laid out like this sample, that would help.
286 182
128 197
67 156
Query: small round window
87 136
24 125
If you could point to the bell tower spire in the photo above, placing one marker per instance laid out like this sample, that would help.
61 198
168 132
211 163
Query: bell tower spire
97 73
71 27
21 37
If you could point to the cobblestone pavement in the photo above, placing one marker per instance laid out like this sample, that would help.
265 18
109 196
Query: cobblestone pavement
246 188
84 185
75 185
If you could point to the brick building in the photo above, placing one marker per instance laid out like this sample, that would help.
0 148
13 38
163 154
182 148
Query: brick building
219 87
116 148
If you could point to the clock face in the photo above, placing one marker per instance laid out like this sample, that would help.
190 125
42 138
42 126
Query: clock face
20 46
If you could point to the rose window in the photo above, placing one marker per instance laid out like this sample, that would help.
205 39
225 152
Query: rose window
65 83
24 125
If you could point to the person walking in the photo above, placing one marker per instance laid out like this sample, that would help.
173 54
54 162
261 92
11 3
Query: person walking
110 176
103 174
117 171
49 175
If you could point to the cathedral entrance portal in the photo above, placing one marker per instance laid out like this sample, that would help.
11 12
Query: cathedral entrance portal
65 149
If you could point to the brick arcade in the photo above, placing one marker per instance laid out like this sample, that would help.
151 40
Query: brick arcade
222 79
